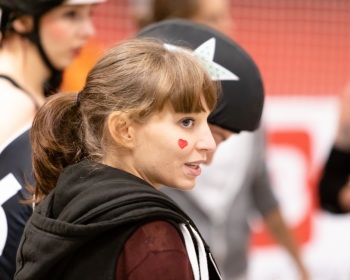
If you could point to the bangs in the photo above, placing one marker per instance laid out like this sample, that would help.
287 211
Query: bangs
199 95
174 77
191 91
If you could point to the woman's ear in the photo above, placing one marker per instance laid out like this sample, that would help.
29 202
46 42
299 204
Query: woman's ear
23 24
121 129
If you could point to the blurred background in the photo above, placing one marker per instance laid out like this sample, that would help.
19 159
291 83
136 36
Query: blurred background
302 48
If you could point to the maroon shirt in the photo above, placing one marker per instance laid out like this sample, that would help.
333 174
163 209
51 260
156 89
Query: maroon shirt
154 252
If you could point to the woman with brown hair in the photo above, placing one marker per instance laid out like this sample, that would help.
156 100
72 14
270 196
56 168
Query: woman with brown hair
100 157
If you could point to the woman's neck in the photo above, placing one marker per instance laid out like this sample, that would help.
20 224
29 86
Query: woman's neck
21 60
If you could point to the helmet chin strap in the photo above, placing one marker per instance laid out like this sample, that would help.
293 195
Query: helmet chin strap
53 83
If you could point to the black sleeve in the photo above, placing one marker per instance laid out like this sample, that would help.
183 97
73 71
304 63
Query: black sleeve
333 179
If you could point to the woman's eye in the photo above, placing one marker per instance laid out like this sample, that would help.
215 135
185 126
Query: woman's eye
187 122
70 14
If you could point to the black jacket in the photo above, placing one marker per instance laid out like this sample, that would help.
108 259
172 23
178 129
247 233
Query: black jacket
78 231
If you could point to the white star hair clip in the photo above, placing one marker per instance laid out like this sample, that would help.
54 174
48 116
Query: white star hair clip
205 52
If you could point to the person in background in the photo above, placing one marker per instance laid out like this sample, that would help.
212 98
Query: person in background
236 183
334 184
99 159
213 13
38 39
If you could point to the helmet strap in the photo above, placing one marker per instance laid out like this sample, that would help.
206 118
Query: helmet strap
55 80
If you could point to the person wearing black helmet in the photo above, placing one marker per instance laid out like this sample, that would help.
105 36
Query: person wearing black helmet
38 39
236 183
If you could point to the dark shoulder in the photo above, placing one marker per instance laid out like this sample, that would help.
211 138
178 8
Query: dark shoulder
158 235
155 249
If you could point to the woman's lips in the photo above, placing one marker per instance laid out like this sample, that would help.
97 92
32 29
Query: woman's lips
193 169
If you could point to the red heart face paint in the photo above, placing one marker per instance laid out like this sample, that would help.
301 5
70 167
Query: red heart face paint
182 143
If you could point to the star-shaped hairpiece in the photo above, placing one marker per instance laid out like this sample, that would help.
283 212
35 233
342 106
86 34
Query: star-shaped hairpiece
205 52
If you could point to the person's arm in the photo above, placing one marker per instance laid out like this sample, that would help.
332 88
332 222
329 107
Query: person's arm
154 252
267 204
333 187
280 231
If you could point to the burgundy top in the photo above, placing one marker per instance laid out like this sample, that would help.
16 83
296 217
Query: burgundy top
154 252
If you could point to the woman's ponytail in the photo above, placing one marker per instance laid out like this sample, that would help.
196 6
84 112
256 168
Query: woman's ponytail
56 137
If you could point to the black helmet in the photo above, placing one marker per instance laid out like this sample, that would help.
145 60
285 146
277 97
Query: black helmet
30 7
240 107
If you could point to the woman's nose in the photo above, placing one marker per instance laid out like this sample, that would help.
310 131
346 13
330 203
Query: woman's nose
207 142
